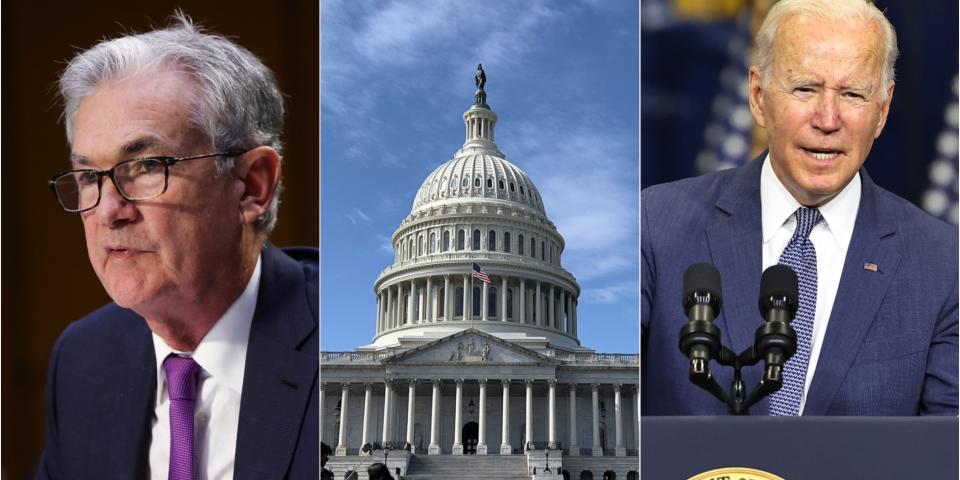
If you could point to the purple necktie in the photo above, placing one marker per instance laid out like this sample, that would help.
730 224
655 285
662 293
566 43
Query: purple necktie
182 389
801 256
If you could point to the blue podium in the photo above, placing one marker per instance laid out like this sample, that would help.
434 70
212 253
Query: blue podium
802 447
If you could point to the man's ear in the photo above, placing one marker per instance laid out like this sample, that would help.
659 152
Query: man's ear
755 96
259 172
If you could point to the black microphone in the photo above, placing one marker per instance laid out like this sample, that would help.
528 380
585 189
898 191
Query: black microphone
775 340
702 301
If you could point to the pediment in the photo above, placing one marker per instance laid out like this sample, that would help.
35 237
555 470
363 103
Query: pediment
469 347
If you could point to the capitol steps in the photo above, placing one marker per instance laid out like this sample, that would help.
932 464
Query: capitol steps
467 467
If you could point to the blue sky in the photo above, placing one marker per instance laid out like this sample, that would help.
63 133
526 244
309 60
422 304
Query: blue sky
396 78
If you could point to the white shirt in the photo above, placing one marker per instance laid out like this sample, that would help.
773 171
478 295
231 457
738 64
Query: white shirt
222 355
830 237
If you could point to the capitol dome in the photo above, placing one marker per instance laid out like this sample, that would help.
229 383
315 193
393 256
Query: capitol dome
477 211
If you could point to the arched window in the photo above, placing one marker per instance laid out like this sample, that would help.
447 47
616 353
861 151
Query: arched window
433 241
533 247
490 182
500 184
453 183
551 253
520 244
492 241
476 182
477 295
521 190
410 250
492 302
445 244
509 305
458 310
466 182
476 239
506 242
460 235
543 256
420 245
512 188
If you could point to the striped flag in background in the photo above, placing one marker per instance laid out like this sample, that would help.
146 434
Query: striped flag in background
480 274
727 136
940 198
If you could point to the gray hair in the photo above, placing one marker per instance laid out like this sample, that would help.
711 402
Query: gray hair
847 11
238 107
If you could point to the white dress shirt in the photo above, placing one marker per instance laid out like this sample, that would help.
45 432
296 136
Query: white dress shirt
222 355
830 237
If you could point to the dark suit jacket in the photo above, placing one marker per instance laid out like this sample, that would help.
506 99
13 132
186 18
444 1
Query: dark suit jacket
102 382
891 345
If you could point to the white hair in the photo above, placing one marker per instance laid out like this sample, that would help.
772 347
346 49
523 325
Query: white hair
238 105
847 11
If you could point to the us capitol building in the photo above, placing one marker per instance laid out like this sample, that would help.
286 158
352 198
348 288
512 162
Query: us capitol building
470 378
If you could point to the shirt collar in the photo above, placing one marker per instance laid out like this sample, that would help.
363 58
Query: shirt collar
778 206
222 353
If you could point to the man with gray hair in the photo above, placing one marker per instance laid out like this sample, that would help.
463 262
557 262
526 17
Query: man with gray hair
876 321
205 366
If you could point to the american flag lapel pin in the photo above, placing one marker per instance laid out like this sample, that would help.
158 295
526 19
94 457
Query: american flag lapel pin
871 266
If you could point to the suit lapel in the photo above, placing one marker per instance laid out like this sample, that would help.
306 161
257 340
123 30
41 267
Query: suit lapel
859 295
280 373
735 242
126 417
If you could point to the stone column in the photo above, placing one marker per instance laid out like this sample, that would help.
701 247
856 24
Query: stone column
574 305
342 441
484 303
636 416
428 313
552 413
458 419
538 306
482 428
387 400
529 417
411 398
503 298
618 419
379 316
566 312
523 301
505 447
434 448
597 448
388 317
574 448
466 296
400 303
447 314
551 310
413 293
323 385
367 402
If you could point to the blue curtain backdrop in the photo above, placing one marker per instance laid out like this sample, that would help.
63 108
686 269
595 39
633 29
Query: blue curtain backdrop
692 99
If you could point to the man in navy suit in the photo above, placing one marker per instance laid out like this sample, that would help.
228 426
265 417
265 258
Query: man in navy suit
881 314
205 365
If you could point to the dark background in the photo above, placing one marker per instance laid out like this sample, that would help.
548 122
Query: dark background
47 281
682 57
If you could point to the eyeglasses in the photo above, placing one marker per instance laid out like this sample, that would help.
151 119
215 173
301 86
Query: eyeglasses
137 179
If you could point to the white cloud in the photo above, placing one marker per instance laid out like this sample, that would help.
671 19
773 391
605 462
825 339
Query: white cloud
610 294
384 245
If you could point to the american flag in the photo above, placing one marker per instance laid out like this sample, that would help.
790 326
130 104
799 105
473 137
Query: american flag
727 136
480 274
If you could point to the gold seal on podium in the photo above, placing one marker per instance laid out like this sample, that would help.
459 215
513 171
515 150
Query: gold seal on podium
735 473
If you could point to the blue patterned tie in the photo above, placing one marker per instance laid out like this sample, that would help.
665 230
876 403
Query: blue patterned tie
802 258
